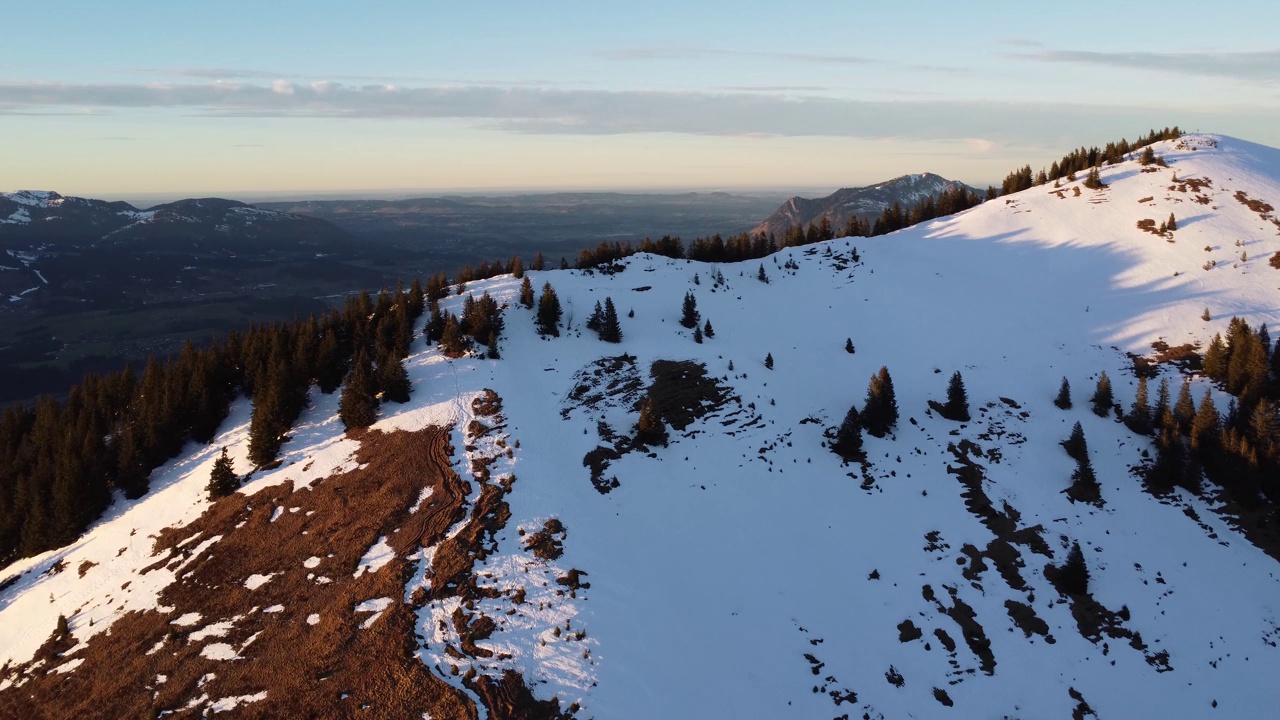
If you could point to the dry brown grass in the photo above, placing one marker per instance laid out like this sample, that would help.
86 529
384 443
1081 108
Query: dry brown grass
334 668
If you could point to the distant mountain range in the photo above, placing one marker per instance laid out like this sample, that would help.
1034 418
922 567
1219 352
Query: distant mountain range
865 203
30 220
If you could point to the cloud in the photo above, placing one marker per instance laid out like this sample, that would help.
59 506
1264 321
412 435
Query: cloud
597 112
1261 66
687 53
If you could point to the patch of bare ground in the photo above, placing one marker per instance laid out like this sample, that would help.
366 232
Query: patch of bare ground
1096 622
1082 709
1149 225
302 637
317 656
681 392
1185 357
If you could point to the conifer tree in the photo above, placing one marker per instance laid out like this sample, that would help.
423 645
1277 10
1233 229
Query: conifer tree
331 365
610 328
393 380
1162 402
1072 577
1184 411
848 442
880 411
548 320
1206 426
453 343
1063 400
650 430
697 335
1171 223
538 262
768 361
848 345
492 345
526 293
1170 466
761 276
1139 417
689 314
358 406
1075 444
708 330
222 479
596 317
1102 398
517 267
1215 358
957 405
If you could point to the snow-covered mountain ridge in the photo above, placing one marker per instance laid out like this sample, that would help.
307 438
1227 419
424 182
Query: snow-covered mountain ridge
743 570
864 203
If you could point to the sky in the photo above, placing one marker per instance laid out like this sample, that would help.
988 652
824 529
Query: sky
318 98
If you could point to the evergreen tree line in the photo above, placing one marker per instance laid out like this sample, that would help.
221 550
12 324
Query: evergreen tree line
61 462
1080 160
1238 450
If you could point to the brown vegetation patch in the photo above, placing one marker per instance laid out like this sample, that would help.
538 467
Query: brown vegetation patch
1185 356
1275 261
1149 225
544 543
1024 616
85 567
1258 206
335 667
1146 200
682 391
607 381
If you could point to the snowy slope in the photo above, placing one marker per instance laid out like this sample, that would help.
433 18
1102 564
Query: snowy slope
742 571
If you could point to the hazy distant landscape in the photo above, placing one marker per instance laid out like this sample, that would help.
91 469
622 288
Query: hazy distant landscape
109 284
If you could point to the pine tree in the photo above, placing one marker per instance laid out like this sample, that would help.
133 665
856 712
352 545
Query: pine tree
848 345
610 328
957 405
761 276
1162 402
358 406
596 317
1171 223
1102 398
1184 411
453 343
880 411
689 314
222 479
517 267
768 361
1215 358
650 429
697 335
1206 426
548 320
1072 577
526 293
1139 417
1075 445
393 380
538 262
848 442
708 330
1063 400
492 345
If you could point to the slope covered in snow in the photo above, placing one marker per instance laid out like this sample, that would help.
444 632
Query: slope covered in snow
742 570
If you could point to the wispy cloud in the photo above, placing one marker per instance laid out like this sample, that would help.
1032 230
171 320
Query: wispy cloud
690 53
597 112
1260 66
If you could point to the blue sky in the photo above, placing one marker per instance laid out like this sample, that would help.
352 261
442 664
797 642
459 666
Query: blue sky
175 99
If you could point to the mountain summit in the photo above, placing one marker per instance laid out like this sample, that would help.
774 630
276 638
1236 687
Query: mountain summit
865 203
661 526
